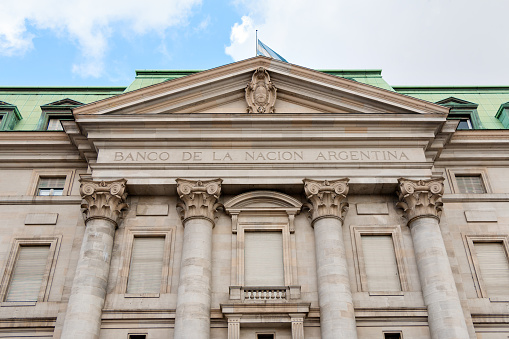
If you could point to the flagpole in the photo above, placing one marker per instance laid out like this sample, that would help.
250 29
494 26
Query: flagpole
256 50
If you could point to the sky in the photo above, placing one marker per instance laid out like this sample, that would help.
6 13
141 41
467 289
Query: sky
103 42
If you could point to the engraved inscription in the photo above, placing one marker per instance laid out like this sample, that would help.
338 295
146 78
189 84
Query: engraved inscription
375 155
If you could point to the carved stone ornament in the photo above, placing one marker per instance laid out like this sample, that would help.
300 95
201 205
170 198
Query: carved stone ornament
103 199
199 199
326 198
420 198
260 93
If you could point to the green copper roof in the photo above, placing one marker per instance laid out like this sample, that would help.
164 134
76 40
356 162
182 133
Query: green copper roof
145 78
29 100
371 77
489 98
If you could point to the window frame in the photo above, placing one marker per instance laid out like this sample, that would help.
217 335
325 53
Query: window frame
17 243
397 240
9 116
168 256
452 173
475 267
263 211
33 186
242 228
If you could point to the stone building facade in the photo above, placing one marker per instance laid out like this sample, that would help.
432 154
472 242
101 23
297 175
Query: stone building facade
255 200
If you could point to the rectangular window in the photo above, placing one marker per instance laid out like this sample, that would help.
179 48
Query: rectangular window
380 263
392 335
265 336
54 125
494 267
146 267
263 259
51 186
470 184
137 336
28 273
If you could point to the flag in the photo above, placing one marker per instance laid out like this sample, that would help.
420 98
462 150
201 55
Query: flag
262 49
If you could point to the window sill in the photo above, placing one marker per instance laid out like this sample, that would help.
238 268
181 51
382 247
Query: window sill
18 303
502 299
141 295
39 200
387 294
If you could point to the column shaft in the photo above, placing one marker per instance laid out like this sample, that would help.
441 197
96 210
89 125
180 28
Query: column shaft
421 201
328 208
337 316
103 203
197 207
84 310
445 315
193 302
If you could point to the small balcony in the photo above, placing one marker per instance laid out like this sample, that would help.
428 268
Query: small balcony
264 293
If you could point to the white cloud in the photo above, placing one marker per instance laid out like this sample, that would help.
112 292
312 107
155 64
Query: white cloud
88 22
414 42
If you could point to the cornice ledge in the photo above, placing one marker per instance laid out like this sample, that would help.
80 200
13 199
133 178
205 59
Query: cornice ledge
420 198
198 199
326 198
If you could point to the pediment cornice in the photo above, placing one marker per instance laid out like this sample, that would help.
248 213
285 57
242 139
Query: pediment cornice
311 88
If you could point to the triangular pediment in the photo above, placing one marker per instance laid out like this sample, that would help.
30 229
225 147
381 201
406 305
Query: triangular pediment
223 90
62 103
456 102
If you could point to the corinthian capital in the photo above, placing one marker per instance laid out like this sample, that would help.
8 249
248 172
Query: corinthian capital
420 198
326 198
199 199
103 199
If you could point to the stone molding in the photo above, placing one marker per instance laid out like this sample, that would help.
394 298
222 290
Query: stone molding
198 199
260 93
326 198
420 198
103 199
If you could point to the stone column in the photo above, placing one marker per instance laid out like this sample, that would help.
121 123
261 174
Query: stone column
103 203
337 317
197 207
421 201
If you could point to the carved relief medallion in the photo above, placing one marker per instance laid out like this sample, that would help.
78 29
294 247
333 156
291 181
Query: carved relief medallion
260 93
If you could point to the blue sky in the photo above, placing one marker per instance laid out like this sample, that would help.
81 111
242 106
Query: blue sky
102 42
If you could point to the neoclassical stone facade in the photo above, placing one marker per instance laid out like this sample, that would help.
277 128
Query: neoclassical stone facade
326 209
